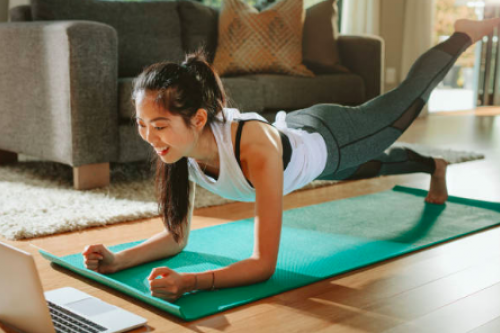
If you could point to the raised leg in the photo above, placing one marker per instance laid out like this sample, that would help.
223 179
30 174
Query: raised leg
7 157
356 135
90 176
394 161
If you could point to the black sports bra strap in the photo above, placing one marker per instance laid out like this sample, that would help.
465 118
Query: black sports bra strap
285 141
242 122
238 139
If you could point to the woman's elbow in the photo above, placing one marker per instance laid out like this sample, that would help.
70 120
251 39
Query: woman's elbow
264 268
181 245
183 241
268 273
267 277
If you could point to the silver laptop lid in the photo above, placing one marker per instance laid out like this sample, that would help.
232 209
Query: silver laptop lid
22 292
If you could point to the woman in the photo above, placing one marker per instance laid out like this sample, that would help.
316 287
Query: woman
180 111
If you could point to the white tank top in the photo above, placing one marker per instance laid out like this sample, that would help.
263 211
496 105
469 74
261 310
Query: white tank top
307 161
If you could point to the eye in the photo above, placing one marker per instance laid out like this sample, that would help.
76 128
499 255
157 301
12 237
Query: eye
159 128
139 125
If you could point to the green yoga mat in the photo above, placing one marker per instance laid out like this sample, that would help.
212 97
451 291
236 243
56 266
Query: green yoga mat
317 242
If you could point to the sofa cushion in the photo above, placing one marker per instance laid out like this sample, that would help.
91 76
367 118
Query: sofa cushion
244 92
148 32
266 42
289 93
199 24
319 42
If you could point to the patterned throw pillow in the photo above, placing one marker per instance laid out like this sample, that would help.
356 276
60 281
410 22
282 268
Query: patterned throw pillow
266 42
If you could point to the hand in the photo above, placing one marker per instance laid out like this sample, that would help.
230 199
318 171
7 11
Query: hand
170 287
99 259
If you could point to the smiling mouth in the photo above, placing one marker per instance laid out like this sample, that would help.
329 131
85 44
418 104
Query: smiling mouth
162 151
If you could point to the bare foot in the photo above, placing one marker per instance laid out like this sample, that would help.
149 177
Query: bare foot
438 193
476 29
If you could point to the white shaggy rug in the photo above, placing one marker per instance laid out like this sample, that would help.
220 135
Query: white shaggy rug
37 199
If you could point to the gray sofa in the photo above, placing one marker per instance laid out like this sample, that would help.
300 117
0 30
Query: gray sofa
65 80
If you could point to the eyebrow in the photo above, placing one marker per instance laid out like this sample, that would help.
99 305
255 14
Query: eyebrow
155 119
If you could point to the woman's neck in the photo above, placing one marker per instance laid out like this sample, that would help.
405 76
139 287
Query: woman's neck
207 152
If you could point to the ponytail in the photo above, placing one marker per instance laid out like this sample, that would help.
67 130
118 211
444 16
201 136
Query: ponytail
182 90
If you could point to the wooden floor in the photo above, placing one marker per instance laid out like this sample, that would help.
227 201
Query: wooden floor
453 287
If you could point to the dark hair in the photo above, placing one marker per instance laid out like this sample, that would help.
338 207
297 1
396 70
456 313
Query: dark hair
182 90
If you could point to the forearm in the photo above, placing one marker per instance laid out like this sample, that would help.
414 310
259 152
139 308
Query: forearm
161 245
241 273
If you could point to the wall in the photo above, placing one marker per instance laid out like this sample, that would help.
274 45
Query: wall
15 3
4 10
391 30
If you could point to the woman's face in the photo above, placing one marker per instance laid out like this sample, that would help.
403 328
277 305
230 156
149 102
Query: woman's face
166 132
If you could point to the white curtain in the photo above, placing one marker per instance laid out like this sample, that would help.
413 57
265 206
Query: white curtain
361 17
15 3
417 31
417 35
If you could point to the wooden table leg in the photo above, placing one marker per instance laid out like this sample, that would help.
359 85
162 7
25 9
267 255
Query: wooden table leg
7 157
90 176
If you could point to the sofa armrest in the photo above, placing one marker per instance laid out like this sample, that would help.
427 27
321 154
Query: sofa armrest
58 91
364 55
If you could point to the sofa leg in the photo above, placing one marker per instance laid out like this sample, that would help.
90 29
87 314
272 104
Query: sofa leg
7 157
90 176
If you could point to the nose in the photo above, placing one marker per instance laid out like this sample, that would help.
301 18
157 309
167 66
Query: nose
149 136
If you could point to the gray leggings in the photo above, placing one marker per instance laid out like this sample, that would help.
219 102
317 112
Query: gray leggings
358 138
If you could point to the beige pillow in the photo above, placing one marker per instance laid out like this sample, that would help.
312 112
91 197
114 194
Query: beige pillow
265 42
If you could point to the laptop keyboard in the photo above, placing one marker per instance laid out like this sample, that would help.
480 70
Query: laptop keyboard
69 322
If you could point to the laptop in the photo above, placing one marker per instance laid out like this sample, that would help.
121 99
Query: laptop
25 306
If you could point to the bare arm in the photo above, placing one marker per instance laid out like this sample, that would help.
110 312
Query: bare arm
161 245
265 170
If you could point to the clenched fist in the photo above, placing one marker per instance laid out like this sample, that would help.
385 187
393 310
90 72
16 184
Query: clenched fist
99 259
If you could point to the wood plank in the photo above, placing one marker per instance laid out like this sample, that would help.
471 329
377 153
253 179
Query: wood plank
418 302
479 111
493 326
463 315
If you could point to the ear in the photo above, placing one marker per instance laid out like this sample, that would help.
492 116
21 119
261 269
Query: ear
200 118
